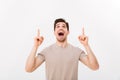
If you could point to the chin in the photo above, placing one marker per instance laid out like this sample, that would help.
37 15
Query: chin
61 40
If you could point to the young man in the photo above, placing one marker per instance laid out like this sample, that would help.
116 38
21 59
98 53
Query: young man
61 57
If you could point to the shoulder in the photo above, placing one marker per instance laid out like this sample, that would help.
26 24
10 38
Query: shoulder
48 48
45 50
75 48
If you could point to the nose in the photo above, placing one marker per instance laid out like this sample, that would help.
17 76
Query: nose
61 27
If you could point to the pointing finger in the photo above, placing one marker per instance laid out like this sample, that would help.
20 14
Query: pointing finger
38 32
83 33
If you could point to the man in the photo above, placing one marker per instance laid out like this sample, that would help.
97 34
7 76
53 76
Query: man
61 57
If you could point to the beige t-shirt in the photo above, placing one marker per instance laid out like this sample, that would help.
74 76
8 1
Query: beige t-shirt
61 63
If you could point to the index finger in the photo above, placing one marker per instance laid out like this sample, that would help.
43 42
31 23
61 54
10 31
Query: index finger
38 32
83 33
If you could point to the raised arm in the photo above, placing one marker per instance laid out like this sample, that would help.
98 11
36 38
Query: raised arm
90 60
33 61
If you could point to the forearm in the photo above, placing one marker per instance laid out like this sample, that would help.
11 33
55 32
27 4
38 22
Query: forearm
91 57
31 59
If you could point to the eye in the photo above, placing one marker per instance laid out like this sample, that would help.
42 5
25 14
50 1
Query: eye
57 26
64 26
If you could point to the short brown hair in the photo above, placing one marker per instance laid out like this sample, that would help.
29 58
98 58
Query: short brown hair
61 20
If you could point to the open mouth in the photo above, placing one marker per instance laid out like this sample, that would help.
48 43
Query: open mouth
61 34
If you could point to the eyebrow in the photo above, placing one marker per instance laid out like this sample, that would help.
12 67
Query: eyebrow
59 24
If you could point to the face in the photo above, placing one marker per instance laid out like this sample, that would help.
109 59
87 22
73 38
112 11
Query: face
61 31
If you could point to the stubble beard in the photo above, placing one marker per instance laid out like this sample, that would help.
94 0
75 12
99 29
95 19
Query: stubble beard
63 40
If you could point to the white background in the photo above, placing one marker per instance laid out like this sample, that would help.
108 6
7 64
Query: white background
19 20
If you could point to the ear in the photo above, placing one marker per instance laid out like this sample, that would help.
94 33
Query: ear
68 32
54 32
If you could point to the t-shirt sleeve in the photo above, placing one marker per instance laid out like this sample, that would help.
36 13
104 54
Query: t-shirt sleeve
41 55
82 54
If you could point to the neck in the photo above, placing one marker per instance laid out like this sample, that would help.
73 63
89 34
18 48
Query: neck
62 44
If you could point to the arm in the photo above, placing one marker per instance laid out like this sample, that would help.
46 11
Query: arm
33 61
90 60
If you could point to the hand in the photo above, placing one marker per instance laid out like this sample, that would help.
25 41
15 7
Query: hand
83 38
38 39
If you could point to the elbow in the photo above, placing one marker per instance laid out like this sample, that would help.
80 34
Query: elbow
28 70
95 67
